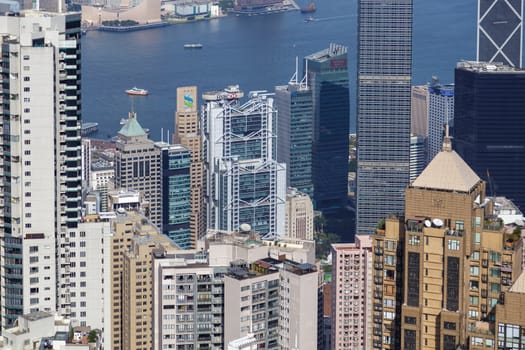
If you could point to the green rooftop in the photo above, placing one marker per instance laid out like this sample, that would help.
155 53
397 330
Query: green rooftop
132 127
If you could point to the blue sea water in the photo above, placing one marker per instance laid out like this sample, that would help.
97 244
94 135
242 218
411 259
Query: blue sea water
255 52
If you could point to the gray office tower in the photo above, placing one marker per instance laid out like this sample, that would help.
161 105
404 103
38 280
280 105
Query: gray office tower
500 31
383 109
295 132
489 125
327 76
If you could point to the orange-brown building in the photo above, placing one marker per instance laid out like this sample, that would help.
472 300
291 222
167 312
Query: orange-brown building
441 270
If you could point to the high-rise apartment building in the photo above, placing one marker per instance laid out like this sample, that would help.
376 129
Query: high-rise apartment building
456 260
419 110
41 152
245 185
510 324
295 133
299 215
352 271
383 109
187 133
489 124
326 73
500 31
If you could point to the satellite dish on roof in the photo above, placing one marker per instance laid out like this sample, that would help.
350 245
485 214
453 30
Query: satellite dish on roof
245 228
437 222
428 223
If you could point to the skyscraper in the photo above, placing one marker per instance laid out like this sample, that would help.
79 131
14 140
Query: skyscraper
161 172
383 109
440 113
456 260
327 76
351 298
500 31
244 182
41 152
187 133
295 133
489 125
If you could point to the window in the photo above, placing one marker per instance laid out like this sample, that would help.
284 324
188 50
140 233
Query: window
495 257
27 99
27 89
390 260
449 325
494 287
477 221
33 249
477 341
389 303
473 314
26 57
389 315
390 245
477 238
27 78
414 240
27 142
453 244
460 225
474 300
410 320
474 256
495 272
474 270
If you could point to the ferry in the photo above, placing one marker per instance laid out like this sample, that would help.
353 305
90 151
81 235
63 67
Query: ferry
88 128
137 92
193 46
311 8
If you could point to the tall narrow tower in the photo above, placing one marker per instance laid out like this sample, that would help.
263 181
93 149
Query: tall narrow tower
40 177
327 76
500 31
383 109
187 133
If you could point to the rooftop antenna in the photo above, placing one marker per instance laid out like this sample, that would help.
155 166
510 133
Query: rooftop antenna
293 79
304 82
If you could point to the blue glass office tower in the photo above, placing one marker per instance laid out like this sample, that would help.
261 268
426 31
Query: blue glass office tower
295 134
176 193
383 109
327 76
489 125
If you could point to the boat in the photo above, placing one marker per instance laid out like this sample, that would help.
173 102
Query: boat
193 46
137 92
311 8
309 19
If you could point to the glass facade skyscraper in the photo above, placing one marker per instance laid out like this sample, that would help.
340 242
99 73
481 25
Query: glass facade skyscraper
489 125
176 193
500 31
383 109
295 134
327 76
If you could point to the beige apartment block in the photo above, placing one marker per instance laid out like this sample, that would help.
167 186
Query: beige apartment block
124 228
187 133
299 215
441 270
510 322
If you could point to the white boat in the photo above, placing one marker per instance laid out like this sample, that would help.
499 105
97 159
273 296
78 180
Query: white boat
193 46
136 91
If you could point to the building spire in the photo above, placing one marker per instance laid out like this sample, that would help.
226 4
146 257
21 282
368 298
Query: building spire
447 143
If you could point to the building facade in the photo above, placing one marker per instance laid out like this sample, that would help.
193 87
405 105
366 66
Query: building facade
418 156
299 215
500 31
187 133
440 113
488 125
456 262
175 186
383 109
41 151
244 182
352 272
326 72
295 133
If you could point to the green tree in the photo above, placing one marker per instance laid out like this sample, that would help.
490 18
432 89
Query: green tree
92 336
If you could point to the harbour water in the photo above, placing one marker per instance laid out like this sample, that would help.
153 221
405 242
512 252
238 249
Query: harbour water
255 52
